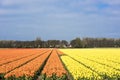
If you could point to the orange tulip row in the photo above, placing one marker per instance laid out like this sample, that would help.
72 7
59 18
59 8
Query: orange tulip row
10 66
9 55
54 65
30 68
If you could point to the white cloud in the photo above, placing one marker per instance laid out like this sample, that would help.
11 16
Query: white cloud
27 2
12 2
49 6
111 2
28 6
112 7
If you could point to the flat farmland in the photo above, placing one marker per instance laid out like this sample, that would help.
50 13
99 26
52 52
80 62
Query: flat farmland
31 64
92 64
60 64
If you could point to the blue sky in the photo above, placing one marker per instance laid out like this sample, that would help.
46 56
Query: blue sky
59 19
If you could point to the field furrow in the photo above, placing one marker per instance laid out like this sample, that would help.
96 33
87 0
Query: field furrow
106 70
11 66
54 66
30 68
60 64
78 70
13 56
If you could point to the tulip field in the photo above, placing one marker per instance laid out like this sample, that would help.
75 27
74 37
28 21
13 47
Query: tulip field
60 64
92 64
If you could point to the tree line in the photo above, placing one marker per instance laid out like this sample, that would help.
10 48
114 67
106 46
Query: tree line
95 42
75 43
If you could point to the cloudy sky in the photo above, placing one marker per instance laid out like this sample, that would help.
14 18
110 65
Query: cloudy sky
59 19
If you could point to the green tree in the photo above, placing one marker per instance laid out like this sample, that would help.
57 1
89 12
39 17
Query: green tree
76 43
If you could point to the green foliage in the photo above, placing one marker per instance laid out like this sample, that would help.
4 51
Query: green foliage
1 76
53 77
76 43
19 78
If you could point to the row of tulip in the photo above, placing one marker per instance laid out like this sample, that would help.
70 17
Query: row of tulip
30 68
79 71
94 60
9 55
54 65
12 65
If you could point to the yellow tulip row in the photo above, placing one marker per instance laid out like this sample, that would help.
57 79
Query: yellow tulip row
108 60
103 61
77 70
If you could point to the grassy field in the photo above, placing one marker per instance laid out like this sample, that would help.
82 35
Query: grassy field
93 64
